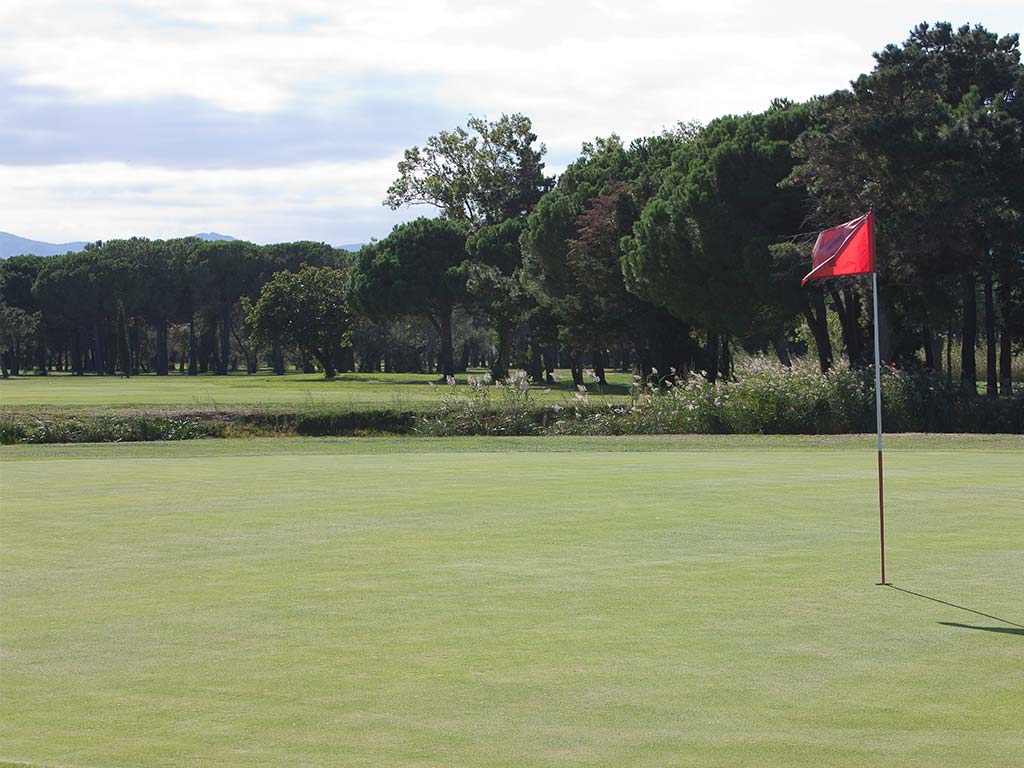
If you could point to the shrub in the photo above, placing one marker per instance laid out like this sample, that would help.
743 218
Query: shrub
101 429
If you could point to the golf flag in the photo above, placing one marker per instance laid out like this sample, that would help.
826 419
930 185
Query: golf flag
848 249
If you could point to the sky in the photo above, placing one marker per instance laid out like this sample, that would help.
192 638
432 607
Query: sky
275 121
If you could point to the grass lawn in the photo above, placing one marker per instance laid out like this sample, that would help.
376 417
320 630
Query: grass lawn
209 392
503 602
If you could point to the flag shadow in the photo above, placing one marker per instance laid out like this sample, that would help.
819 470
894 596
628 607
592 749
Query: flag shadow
1013 627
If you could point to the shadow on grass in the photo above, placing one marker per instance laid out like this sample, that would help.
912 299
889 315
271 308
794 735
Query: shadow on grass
1013 627
1002 630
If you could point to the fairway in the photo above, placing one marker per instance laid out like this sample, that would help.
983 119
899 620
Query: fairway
532 602
354 391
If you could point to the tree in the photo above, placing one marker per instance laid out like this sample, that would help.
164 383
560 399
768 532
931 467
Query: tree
305 309
20 308
224 272
418 269
482 174
16 327
573 254
292 257
931 138
700 248
124 353
487 176
493 281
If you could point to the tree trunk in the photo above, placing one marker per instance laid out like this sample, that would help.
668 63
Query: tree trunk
193 364
122 341
929 346
76 352
968 371
499 366
847 309
277 357
550 358
599 363
327 361
949 354
576 369
41 361
99 357
348 360
814 313
712 354
782 348
1005 350
536 364
161 348
447 361
991 371
225 340
725 363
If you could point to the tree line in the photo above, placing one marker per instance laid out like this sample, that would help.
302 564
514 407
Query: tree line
667 254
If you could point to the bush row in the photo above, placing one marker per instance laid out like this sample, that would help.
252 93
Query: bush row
140 427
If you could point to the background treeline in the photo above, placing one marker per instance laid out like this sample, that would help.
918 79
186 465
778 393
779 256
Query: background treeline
671 254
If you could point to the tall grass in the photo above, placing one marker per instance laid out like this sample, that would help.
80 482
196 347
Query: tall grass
764 398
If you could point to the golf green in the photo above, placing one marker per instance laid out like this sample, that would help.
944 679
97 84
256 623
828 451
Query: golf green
522 603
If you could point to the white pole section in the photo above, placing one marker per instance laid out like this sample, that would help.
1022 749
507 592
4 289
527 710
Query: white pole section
878 365
878 422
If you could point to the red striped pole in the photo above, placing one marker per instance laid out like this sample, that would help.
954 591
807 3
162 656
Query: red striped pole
881 520
878 400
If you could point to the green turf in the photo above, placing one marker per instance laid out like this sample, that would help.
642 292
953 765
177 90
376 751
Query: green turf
623 603
348 390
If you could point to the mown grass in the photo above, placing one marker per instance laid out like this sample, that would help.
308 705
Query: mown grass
354 391
512 602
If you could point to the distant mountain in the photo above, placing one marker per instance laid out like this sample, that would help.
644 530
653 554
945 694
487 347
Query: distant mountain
12 245
213 236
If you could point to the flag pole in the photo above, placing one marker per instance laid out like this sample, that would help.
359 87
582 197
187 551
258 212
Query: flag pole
878 401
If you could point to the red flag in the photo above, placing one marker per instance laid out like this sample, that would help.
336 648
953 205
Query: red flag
848 249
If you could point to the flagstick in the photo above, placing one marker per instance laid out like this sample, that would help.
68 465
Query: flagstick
878 422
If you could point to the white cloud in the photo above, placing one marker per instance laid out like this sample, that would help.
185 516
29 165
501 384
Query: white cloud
336 202
579 68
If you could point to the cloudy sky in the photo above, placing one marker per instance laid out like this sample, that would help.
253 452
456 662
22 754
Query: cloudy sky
273 120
